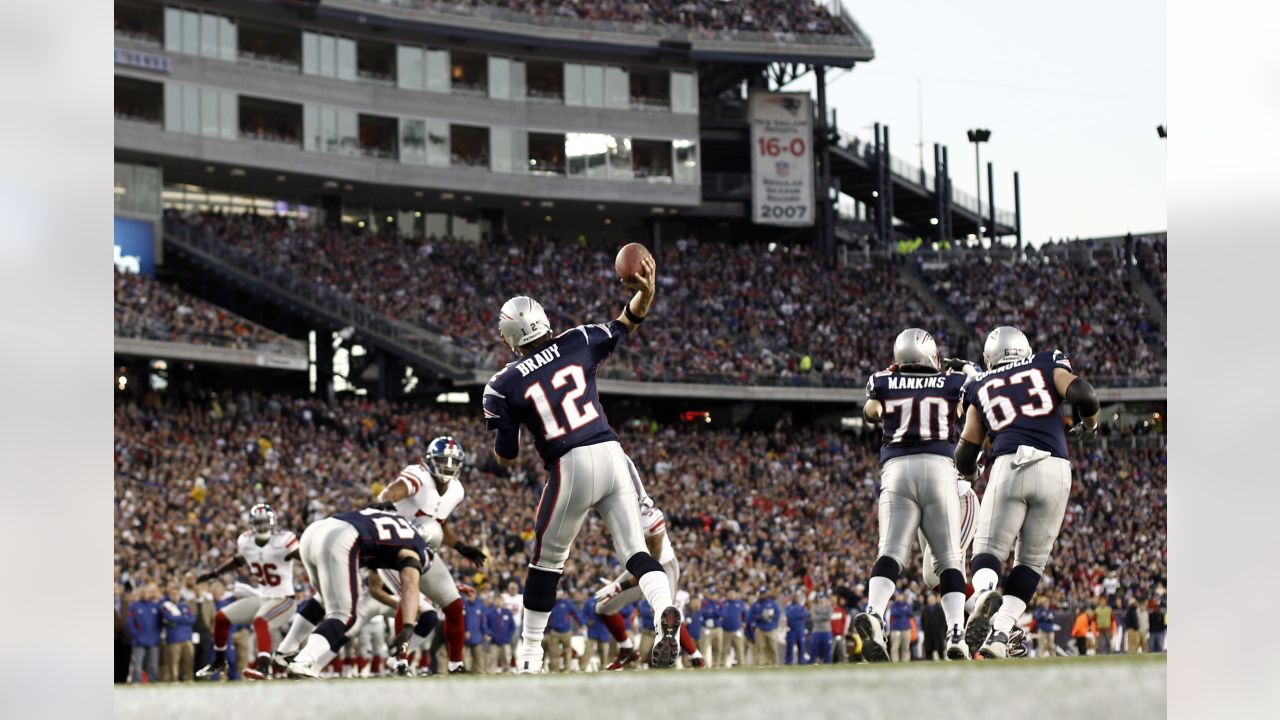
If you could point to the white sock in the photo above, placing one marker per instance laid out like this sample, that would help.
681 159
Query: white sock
298 632
626 644
326 656
656 587
1011 608
317 645
953 609
985 579
534 627
879 590
970 603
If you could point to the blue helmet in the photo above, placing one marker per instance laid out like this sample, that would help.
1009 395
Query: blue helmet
444 459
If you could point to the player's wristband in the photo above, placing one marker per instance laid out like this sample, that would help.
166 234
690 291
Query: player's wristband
626 311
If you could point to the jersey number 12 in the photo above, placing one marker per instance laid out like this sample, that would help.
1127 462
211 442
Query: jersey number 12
574 416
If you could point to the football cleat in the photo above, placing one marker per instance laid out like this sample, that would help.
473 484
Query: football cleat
214 668
666 648
280 663
697 662
303 670
260 670
1017 643
626 656
957 649
403 669
529 660
462 671
979 624
870 627
996 646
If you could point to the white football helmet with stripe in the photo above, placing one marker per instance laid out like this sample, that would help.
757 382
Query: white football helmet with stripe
916 347
521 321
1004 345
262 520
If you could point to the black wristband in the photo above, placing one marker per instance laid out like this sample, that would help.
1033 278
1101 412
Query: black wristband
626 311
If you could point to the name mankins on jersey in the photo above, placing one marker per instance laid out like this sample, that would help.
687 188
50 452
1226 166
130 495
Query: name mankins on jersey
425 502
267 562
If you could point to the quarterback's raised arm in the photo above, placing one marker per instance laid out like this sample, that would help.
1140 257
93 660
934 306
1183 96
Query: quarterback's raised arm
644 283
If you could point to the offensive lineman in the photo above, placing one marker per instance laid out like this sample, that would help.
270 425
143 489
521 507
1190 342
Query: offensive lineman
1018 401
268 554
551 390
916 400
333 551
425 493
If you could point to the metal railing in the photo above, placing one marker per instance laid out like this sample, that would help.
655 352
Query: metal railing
435 348
922 178
280 346
853 38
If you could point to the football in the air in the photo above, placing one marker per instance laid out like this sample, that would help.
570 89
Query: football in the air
629 259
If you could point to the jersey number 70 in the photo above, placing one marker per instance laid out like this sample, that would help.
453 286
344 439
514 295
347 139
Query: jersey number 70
574 416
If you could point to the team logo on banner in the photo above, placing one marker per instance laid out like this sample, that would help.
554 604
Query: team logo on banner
782 159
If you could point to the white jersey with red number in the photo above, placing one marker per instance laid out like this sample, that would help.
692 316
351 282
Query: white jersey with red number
267 562
655 523
424 501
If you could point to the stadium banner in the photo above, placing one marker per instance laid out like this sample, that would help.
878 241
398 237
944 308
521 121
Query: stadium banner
135 246
781 159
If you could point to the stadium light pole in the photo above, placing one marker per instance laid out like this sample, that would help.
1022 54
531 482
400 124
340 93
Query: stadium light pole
978 136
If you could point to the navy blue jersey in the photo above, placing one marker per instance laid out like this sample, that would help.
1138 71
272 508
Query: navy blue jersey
918 411
553 392
1020 405
382 536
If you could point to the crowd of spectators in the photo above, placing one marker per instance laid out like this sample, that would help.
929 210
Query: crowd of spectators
149 309
734 313
789 509
712 16
1153 263
1085 306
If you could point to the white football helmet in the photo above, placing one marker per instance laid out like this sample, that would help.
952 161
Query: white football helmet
521 321
916 347
262 520
1004 345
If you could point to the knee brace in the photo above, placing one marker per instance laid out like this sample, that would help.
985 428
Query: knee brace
540 588
1022 583
886 567
641 563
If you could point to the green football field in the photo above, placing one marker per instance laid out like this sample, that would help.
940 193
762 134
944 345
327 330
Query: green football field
1130 687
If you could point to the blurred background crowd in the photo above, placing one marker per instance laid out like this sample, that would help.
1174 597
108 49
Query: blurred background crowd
789 513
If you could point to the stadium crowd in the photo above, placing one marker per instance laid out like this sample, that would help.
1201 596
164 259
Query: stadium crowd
771 16
1087 308
150 309
750 513
780 316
